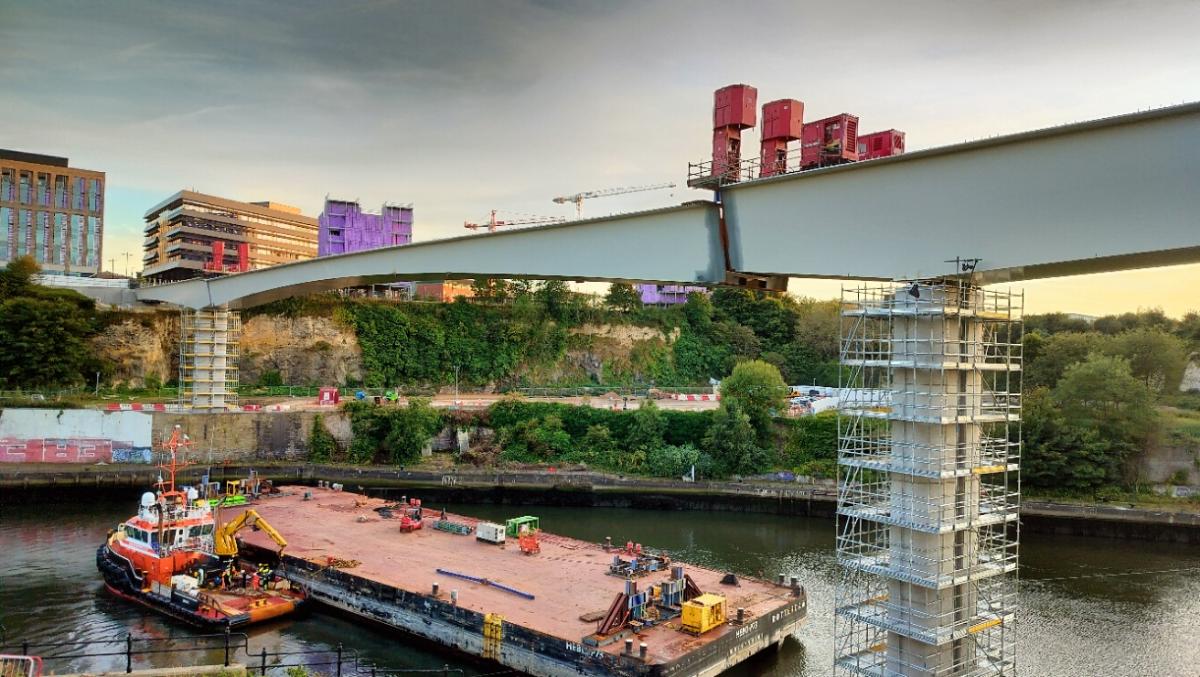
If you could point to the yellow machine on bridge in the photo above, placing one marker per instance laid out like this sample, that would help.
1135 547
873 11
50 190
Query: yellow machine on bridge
225 543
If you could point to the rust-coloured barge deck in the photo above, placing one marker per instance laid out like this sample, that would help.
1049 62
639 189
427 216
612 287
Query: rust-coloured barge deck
392 574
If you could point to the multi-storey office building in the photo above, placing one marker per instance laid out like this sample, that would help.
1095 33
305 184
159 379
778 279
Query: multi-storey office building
192 234
52 212
345 227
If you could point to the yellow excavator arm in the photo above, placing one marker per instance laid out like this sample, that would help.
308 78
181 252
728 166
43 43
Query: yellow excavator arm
224 543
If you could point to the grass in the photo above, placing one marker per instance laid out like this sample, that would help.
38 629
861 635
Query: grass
1181 427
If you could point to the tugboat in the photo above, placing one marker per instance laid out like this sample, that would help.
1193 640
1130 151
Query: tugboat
176 557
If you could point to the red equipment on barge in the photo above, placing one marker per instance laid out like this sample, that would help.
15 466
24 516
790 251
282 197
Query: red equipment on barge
175 557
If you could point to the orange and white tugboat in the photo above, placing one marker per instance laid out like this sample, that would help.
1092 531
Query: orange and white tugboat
176 557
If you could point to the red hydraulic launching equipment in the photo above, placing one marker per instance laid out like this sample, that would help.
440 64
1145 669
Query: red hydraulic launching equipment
831 141
880 144
733 110
782 121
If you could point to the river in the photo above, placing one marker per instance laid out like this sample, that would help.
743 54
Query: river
1088 607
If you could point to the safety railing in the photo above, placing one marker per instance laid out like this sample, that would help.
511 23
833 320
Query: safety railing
223 648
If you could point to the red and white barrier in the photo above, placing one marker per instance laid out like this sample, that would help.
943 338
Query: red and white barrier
707 397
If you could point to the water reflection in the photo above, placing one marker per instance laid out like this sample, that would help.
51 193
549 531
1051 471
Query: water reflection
1076 617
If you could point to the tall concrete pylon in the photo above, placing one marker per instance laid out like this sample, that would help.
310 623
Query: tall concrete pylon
208 353
929 447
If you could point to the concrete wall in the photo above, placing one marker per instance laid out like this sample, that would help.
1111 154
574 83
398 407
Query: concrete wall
257 436
74 436
92 436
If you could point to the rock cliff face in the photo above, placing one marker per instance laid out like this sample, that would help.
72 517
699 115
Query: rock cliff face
304 350
320 351
144 345
1191 376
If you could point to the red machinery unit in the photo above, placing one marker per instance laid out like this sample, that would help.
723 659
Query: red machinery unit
880 144
733 110
830 141
243 257
782 121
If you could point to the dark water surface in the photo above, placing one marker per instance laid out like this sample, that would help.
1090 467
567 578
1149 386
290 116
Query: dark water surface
1076 616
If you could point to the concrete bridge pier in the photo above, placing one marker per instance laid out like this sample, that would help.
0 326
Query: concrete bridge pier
927 493
208 352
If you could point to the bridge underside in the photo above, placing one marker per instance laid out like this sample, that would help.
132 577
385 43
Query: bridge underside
1098 196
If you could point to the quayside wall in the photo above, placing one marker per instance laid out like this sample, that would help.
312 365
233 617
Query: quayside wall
24 482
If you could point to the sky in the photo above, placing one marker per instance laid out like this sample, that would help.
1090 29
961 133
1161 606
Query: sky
464 107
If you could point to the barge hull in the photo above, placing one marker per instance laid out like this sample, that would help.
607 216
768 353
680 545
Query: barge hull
532 652
525 612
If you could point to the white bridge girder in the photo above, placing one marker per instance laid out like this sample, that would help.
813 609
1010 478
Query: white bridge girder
1097 196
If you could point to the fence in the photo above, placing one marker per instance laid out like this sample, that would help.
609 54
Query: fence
224 648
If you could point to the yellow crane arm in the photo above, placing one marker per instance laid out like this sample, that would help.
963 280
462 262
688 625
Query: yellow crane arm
224 543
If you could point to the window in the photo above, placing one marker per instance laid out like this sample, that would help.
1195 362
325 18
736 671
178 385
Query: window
94 195
26 188
43 189
78 193
42 231
93 240
6 231
75 243
60 238
7 186
23 227
60 191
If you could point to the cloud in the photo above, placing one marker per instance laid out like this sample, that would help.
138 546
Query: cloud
462 107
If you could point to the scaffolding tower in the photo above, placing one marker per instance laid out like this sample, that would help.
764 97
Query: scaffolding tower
208 352
928 480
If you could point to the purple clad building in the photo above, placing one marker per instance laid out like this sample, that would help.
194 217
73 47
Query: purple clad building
666 294
344 227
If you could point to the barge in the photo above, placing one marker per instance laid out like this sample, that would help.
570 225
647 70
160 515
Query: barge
542 604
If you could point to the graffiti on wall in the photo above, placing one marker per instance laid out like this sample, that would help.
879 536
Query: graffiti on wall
74 436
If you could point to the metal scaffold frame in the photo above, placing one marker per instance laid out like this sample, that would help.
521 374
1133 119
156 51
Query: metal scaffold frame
208 353
929 436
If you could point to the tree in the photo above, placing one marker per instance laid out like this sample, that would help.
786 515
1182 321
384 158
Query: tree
1107 412
818 324
669 460
321 445
1059 454
759 391
731 442
409 429
554 296
494 290
1057 352
698 311
648 427
17 276
623 297
1155 357
43 342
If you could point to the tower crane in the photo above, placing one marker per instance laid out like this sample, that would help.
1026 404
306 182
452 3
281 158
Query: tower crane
578 198
492 223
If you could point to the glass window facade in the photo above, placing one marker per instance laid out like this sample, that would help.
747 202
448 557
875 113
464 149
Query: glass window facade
6 229
24 225
60 192
52 212
75 252
61 237
43 189
93 240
